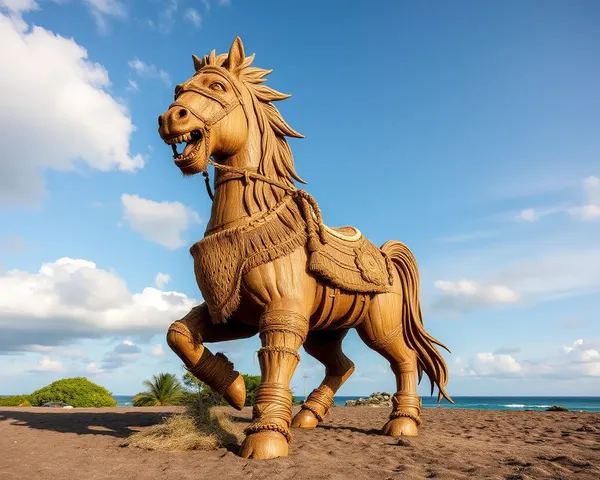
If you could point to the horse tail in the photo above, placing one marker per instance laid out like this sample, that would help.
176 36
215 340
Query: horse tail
429 358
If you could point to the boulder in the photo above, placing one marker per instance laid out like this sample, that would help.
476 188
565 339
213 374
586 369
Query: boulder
377 399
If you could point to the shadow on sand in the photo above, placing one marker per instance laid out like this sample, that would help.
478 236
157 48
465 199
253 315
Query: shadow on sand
119 425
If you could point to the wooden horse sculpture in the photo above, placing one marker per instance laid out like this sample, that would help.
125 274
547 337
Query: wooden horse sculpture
268 265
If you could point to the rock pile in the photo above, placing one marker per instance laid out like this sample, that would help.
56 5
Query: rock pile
378 399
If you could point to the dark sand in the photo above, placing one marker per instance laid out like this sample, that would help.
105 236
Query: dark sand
39 443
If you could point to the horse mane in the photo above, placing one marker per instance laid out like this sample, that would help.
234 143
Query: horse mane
276 160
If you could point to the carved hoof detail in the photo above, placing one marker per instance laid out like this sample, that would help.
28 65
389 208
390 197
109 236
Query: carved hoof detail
305 419
264 445
401 426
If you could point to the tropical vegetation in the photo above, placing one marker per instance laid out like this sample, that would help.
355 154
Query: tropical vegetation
77 392
164 389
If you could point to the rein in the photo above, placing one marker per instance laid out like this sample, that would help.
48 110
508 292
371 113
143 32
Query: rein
310 208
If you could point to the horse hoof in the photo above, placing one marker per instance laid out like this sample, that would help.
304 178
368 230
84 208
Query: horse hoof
402 426
264 445
304 419
235 394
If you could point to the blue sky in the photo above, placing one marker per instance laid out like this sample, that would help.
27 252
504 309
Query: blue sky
469 131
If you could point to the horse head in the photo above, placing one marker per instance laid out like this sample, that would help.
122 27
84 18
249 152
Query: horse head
224 112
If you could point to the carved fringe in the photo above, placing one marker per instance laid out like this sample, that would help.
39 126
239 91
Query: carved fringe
221 259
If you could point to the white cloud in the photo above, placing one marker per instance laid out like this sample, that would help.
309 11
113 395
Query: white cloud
525 274
47 365
529 215
17 7
193 16
158 350
162 279
132 86
56 113
587 210
71 299
590 210
93 369
159 222
464 295
57 350
103 9
578 360
166 17
150 71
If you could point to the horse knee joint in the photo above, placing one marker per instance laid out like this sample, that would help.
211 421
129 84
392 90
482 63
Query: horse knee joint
179 335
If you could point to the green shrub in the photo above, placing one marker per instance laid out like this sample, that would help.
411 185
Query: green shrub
14 400
77 392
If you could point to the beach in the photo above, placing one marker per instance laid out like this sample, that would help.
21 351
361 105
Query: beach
40 443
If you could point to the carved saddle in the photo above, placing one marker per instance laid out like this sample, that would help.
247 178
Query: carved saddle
348 260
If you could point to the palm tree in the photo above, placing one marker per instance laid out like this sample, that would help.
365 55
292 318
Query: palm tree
163 389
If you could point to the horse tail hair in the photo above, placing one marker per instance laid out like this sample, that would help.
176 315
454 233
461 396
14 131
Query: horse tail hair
429 358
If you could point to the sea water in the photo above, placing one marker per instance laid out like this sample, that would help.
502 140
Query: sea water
588 404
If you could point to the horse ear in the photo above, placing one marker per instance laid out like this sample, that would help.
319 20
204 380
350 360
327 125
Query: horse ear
236 55
197 62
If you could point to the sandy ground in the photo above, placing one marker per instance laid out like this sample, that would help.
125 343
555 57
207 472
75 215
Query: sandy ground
42 444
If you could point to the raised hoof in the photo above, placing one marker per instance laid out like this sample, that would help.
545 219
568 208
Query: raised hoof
264 445
235 394
402 426
304 419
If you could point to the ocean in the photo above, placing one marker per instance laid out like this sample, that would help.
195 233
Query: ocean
588 404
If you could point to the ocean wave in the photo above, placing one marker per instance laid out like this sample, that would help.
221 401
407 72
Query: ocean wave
521 405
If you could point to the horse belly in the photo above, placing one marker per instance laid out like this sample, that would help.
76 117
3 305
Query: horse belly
336 308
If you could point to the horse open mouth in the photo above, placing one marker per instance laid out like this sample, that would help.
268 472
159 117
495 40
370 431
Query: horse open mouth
193 142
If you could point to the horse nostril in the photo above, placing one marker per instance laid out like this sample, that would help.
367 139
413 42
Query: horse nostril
182 113
160 121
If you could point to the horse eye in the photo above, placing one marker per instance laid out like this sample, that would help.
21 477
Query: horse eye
178 89
217 86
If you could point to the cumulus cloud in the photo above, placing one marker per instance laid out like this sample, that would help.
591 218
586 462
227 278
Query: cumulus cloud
162 279
577 360
193 16
158 350
56 113
526 278
466 295
72 299
123 353
149 71
46 364
160 222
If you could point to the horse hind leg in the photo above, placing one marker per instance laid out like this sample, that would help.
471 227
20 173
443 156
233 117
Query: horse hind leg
382 332
186 337
325 346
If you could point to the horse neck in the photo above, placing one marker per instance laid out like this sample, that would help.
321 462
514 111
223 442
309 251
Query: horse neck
237 201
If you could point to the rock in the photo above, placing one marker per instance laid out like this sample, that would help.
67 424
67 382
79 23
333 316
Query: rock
403 443
377 399
557 408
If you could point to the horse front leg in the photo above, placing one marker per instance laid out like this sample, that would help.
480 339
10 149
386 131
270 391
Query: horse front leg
282 330
186 337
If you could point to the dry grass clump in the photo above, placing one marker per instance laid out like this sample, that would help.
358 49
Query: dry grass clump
200 427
